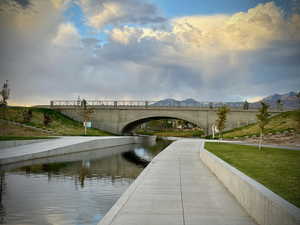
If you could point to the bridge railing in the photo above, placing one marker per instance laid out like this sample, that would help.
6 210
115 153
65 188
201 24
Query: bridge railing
144 104
153 104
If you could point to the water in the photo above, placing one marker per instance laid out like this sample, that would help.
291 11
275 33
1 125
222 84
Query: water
71 189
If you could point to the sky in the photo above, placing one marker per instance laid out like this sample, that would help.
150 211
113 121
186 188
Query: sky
216 50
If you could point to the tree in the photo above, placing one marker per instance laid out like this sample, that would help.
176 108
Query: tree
5 94
86 114
246 105
262 120
279 104
298 119
222 116
27 116
47 119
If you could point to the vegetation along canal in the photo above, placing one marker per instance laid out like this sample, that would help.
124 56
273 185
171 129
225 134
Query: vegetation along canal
71 189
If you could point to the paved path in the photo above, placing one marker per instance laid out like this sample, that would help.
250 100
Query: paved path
177 189
297 148
41 149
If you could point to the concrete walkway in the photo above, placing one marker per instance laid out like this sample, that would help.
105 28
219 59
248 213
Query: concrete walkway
59 146
177 189
297 148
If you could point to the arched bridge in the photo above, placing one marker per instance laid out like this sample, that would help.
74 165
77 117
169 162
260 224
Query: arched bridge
121 117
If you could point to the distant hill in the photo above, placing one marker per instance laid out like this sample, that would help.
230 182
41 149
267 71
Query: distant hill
289 100
173 102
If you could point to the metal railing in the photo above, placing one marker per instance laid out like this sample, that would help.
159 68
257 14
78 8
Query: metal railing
146 104
104 103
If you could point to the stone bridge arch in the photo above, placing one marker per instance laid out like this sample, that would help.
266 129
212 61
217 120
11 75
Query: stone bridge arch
131 125
128 119
118 120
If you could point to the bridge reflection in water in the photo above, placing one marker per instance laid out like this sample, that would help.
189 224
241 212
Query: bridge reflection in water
81 187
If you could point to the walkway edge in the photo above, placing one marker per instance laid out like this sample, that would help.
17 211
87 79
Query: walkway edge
15 143
82 145
264 206
112 213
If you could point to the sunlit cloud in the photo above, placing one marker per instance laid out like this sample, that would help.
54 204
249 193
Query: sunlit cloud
255 99
67 35
103 12
206 57
251 30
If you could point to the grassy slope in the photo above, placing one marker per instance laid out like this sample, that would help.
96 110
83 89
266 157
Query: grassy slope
10 130
61 124
284 121
277 169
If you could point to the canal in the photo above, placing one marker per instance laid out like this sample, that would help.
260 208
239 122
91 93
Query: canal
76 188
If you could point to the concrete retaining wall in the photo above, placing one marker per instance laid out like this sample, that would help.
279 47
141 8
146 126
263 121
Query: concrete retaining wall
9 144
264 206
77 147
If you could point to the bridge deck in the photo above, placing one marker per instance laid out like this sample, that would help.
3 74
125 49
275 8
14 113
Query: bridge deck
177 188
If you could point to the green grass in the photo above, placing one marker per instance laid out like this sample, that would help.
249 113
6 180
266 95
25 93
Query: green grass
277 169
12 138
60 124
286 121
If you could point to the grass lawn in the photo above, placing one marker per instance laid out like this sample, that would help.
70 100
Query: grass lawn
277 169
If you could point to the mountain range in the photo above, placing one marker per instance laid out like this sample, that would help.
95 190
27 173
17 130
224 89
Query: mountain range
288 101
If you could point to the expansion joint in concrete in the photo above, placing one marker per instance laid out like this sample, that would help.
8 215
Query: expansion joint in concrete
180 182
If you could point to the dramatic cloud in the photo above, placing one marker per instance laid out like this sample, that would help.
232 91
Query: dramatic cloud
103 12
221 49
242 31
219 57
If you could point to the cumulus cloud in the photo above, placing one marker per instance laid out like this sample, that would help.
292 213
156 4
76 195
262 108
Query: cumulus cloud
103 12
219 57
67 35
241 31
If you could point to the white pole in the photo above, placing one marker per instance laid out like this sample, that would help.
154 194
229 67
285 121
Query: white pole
84 127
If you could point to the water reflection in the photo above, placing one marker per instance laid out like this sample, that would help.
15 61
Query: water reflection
70 189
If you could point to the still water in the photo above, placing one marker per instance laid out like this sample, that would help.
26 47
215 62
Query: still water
71 189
